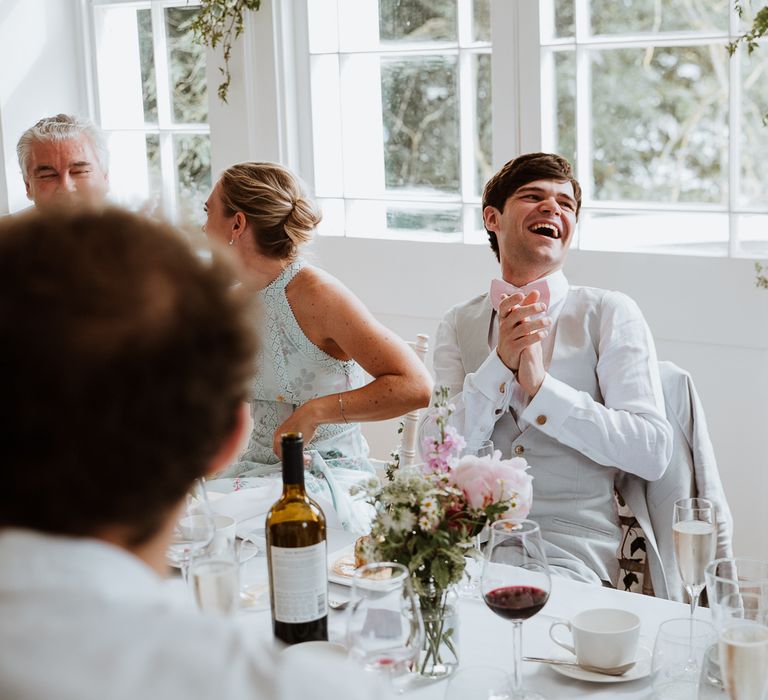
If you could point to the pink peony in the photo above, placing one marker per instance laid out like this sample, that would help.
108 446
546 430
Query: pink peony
488 480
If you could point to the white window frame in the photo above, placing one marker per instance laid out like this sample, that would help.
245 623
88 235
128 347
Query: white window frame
340 205
517 88
166 128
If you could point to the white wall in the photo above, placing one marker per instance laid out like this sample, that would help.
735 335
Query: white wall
705 313
42 74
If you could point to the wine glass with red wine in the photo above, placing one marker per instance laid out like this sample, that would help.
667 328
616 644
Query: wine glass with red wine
516 584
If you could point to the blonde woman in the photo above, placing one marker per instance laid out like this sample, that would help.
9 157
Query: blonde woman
318 340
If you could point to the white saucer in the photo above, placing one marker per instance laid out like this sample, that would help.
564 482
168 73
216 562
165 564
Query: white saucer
641 669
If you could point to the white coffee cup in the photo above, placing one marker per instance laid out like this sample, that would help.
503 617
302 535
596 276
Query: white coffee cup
224 537
602 637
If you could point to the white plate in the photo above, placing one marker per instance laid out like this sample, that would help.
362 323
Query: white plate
640 670
341 565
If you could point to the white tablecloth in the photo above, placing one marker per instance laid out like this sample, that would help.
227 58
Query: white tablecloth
484 637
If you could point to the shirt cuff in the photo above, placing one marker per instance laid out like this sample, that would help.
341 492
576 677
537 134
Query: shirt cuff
493 379
551 406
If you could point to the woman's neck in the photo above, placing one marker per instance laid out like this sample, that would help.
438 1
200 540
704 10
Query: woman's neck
261 270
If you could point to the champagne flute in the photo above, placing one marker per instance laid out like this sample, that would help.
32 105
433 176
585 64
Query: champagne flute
695 537
516 584
194 529
384 628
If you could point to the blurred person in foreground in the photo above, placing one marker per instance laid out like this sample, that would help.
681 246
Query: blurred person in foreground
125 363
563 375
318 342
64 161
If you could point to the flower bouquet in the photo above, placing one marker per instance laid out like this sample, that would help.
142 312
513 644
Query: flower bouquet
426 518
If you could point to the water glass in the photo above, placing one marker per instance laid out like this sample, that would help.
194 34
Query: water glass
744 659
194 530
678 656
469 586
384 628
214 577
737 584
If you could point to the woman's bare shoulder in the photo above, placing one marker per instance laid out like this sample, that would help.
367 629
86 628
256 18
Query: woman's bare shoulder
312 286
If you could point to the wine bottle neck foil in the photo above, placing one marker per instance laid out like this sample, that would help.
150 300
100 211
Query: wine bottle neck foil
293 461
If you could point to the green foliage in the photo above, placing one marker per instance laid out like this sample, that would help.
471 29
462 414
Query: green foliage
221 22
758 29
761 280
751 37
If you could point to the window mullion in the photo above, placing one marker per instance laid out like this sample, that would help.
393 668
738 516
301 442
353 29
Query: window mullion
734 146
162 81
467 124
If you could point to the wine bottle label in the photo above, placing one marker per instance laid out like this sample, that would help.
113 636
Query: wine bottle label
300 582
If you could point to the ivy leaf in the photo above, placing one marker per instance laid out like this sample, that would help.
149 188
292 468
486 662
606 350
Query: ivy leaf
637 543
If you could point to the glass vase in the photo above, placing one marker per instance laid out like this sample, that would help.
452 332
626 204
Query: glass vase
439 655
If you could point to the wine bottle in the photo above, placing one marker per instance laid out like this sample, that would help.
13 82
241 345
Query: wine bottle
296 554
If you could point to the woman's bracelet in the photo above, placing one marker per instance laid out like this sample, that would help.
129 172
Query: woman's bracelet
341 409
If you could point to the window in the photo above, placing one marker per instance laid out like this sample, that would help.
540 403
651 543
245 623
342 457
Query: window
401 116
152 101
665 131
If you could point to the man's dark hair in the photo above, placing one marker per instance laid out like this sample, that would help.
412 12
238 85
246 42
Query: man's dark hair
520 171
124 358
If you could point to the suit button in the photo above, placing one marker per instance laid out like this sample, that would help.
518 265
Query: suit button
497 411
541 420
519 449
502 388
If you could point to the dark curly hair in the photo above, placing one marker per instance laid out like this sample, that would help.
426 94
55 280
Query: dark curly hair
124 358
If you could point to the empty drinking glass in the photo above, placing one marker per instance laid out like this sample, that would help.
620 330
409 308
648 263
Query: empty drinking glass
384 629
678 656
194 529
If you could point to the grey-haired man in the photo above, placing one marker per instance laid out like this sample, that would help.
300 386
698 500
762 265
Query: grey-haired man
64 161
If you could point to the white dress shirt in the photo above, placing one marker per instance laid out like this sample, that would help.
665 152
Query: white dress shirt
627 430
83 620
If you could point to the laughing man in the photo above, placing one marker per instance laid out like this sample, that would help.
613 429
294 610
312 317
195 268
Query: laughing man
564 376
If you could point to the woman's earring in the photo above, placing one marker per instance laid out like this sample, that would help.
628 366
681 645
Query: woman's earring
232 241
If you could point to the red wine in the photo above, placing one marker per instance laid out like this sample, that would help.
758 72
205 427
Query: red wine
516 602
296 555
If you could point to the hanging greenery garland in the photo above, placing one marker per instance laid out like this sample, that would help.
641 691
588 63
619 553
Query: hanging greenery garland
221 22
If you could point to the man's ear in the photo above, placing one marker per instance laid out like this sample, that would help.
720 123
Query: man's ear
26 186
491 217
235 443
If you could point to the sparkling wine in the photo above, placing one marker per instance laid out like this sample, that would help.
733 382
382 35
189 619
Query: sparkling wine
744 660
695 542
516 602
296 555
216 587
